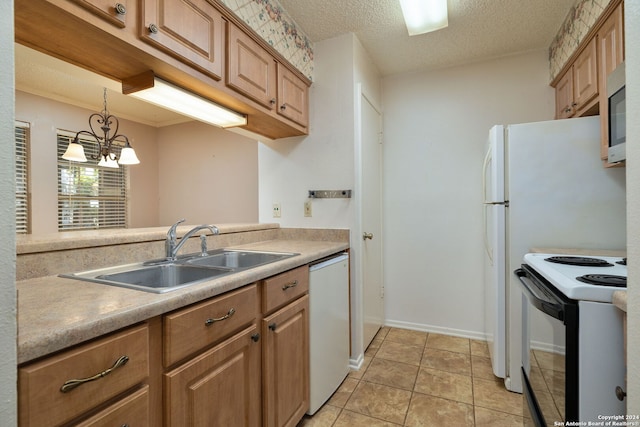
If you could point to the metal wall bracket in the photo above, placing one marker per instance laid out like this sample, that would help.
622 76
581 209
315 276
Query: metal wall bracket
329 194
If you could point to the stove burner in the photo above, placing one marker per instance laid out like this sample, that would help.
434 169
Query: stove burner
604 280
578 260
623 261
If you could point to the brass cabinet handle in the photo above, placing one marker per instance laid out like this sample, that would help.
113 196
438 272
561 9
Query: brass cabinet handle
283 107
290 285
366 236
211 321
272 101
120 9
153 28
71 384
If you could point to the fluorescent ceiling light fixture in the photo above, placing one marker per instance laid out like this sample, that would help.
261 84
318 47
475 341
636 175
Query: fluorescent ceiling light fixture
174 98
423 16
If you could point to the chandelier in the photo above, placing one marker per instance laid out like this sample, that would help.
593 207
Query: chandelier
102 122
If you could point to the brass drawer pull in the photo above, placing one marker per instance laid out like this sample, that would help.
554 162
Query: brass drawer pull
230 313
153 29
290 285
120 9
71 384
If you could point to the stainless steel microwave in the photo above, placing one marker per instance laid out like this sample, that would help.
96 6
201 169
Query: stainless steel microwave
616 95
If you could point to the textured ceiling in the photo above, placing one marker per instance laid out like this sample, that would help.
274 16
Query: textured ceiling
478 29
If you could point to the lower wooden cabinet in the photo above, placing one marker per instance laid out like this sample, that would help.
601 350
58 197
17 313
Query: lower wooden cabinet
220 387
286 364
76 382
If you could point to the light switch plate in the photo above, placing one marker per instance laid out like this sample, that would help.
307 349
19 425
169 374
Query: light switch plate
307 208
276 210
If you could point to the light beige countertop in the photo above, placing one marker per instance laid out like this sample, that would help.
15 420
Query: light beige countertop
55 313
620 300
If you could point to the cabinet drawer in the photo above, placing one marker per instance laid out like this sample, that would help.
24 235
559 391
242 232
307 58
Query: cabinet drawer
41 399
133 410
193 328
279 290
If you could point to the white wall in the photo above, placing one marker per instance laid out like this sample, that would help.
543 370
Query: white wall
207 175
435 129
326 159
632 37
8 328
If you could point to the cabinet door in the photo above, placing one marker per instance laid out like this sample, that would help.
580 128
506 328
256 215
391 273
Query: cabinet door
286 364
221 387
193 31
585 77
113 11
611 52
292 97
564 96
251 69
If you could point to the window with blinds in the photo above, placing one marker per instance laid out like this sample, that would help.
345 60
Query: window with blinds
89 196
22 178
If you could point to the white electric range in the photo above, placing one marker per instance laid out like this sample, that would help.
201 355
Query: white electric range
587 364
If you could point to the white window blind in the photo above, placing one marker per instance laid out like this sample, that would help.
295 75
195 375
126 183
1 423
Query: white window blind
22 178
89 196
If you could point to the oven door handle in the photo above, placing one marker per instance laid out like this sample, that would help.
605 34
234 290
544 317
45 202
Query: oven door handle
538 298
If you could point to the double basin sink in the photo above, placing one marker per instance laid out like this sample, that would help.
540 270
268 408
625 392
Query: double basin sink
164 276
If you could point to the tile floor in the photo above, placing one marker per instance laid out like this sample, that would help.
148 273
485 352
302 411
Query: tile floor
412 378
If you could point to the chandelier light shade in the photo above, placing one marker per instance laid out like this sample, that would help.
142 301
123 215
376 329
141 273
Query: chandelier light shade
423 16
156 91
104 129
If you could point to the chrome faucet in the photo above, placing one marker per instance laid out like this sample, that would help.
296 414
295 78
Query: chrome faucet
172 248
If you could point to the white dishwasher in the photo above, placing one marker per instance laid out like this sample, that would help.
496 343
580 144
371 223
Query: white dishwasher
328 327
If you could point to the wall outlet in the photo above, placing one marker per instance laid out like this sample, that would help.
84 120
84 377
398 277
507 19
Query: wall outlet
276 210
307 208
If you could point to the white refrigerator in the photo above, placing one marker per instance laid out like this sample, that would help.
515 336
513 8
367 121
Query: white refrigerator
544 187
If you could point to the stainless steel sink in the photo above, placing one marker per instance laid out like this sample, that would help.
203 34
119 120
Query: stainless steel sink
237 259
164 276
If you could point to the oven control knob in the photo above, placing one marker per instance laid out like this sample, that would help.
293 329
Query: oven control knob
620 393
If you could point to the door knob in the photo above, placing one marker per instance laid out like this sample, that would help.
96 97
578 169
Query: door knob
366 236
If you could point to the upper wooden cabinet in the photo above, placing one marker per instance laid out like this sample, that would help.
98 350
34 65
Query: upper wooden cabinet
192 31
181 41
251 69
581 88
254 72
611 50
293 93
114 12
577 90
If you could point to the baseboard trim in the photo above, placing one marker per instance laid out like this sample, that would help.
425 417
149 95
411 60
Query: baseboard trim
436 329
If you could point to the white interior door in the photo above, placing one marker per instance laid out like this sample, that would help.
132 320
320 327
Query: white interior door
371 219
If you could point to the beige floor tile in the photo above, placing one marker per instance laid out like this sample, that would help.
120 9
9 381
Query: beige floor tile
444 360
343 393
405 353
380 401
547 360
428 411
446 342
488 418
407 336
360 372
481 367
394 374
548 406
382 332
444 384
353 419
479 348
324 417
492 394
